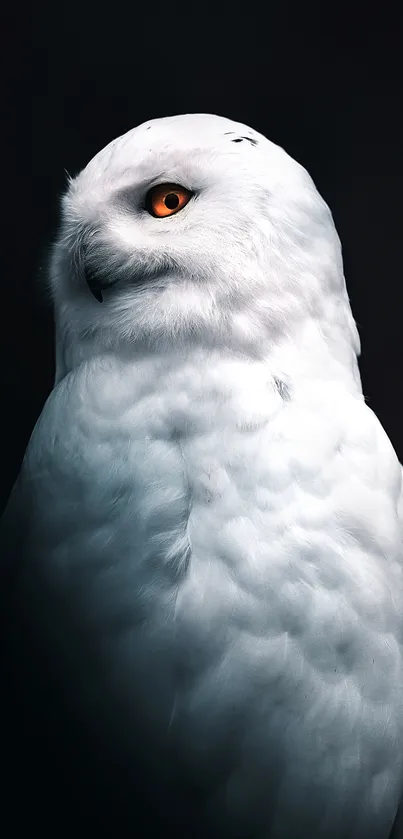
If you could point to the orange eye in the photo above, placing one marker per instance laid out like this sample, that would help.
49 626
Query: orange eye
167 199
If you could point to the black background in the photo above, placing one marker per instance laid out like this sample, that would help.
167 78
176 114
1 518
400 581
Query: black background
320 82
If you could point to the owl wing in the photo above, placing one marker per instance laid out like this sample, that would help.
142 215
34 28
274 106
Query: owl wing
397 829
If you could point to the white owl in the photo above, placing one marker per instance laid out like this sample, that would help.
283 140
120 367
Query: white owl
206 532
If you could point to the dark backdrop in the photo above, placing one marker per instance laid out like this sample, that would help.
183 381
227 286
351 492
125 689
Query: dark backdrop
325 88
78 74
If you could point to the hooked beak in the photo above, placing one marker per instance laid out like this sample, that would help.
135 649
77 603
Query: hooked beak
96 283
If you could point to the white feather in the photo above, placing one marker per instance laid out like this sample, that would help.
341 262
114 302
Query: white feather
210 494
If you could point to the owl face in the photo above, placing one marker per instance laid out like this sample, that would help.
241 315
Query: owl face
193 226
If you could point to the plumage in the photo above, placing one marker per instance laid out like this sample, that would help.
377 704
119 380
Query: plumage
206 533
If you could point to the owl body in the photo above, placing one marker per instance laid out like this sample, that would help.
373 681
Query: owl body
212 558
209 537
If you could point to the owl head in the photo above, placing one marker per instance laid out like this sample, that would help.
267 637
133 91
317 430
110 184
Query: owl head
195 228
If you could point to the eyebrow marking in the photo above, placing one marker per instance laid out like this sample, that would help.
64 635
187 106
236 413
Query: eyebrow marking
239 139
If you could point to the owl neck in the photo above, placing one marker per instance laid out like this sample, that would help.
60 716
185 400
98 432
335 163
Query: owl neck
305 353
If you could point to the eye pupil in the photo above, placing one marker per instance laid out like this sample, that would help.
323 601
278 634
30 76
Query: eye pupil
171 201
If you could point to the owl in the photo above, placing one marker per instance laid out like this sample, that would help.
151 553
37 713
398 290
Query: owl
202 554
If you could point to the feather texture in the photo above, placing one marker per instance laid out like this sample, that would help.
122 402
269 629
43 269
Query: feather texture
207 524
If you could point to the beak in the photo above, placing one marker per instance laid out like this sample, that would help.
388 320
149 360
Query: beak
96 283
96 292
